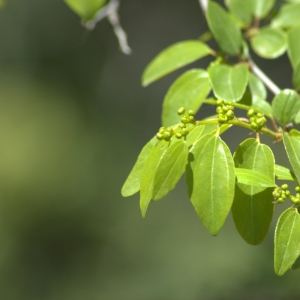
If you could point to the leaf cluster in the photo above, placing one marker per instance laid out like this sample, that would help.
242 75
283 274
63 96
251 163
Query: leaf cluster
244 183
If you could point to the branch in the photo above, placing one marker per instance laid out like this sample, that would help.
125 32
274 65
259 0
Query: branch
113 18
263 77
111 12
255 69
203 4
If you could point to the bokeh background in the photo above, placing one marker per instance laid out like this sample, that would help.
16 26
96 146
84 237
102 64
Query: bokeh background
73 118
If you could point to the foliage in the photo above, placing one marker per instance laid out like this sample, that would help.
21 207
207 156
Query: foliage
85 9
217 181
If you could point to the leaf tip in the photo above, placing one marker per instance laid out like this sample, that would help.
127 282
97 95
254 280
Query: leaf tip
145 82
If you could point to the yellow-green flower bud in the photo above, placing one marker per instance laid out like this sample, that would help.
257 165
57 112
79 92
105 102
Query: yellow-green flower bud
181 111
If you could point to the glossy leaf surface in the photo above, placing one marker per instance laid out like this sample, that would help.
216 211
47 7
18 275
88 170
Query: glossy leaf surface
162 170
132 183
285 106
259 94
260 8
241 9
257 87
252 209
292 148
269 42
194 135
224 29
148 174
283 173
251 177
173 58
287 241
262 106
297 118
229 83
294 132
294 46
211 179
86 9
189 91
170 169
288 16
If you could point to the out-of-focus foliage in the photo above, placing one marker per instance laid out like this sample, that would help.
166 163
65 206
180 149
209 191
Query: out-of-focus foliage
67 99
86 9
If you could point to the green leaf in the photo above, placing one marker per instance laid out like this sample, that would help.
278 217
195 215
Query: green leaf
288 16
148 174
163 168
257 87
201 130
259 94
285 106
260 8
192 159
132 183
170 169
241 9
296 264
283 173
224 29
287 241
86 9
296 76
252 208
173 58
188 91
247 97
297 118
294 132
269 42
194 135
211 179
262 106
293 42
292 148
251 177
229 83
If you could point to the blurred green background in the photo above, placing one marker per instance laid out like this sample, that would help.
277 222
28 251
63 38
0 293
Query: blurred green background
73 118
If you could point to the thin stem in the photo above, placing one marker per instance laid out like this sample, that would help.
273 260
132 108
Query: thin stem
263 77
257 137
237 122
100 15
111 12
237 105
203 4
113 18
274 124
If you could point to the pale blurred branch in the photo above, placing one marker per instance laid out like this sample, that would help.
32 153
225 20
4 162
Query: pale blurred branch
111 12
203 4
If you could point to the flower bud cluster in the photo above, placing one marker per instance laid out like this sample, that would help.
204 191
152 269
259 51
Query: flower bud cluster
167 133
187 118
225 111
257 120
282 193
296 199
